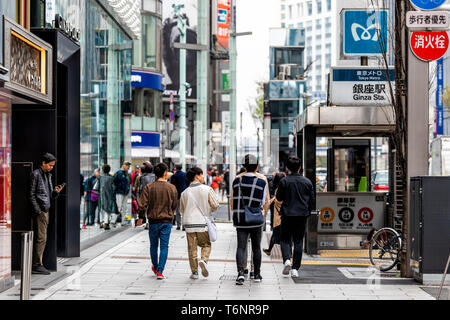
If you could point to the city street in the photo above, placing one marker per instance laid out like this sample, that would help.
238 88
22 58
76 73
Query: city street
119 268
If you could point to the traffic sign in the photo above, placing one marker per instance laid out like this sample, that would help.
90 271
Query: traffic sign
429 45
427 4
427 20
365 32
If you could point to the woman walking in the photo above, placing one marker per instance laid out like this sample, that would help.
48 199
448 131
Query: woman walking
275 239
196 204
107 201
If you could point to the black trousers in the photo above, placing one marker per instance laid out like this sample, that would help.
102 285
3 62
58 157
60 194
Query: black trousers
293 231
241 252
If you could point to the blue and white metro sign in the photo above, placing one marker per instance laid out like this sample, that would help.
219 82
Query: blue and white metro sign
427 4
365 32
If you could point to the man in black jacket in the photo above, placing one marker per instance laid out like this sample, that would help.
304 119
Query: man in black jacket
40 194
297 195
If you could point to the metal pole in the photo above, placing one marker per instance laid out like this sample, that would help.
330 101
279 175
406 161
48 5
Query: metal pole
27 256
443 277
182 92
202 82
233 57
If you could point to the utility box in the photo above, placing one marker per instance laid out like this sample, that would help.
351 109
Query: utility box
429 236
440 156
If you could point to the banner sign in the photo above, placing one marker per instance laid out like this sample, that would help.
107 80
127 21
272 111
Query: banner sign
361 86
427 4
145 139
439 101
146 79
365 32
431 19
223 22
226 128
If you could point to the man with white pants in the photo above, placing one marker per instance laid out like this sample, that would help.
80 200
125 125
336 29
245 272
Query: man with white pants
122 189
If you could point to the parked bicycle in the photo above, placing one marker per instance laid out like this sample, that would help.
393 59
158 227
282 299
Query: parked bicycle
385 247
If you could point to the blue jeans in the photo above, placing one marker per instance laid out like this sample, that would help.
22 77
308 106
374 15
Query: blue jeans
159 233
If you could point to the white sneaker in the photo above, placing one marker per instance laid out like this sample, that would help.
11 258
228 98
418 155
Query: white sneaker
202 265
294 273
287 267
194 276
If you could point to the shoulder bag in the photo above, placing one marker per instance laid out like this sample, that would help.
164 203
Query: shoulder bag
252 216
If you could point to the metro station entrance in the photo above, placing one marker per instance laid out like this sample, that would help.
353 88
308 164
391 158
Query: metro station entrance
347 202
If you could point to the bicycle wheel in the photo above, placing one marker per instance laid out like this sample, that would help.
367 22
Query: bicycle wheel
384 249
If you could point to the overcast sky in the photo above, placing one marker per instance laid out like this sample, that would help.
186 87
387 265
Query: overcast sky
256 16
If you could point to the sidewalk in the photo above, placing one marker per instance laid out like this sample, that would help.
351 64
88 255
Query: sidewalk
123 271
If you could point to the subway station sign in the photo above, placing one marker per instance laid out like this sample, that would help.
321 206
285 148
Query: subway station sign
361 86
350 212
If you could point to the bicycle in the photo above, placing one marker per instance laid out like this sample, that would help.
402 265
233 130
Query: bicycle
385 247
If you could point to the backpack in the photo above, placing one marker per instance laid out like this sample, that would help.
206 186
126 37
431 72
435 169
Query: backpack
145 180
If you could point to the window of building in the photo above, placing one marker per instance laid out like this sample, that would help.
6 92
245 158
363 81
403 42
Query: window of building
290 12
318 24
319 37
300 9
310 8
327 61
300 25
319 6
283 25
329 5
291 25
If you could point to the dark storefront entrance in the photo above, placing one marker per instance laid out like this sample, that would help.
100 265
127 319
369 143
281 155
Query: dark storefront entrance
46 121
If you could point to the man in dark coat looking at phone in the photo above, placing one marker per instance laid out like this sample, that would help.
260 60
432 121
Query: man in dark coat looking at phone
40 194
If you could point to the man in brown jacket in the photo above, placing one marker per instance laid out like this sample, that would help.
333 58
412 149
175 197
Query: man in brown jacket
159 199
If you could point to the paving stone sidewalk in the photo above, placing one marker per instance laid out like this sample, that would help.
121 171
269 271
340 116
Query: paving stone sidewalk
124 272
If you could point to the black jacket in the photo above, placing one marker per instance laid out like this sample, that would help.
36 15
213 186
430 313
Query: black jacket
297 194
38 194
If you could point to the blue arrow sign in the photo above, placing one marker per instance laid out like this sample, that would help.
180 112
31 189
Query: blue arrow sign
427 4
365 32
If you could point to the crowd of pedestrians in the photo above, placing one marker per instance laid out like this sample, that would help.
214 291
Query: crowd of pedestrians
162 199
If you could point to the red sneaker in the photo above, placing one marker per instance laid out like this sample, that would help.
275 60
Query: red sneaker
160 276
84 226
154 270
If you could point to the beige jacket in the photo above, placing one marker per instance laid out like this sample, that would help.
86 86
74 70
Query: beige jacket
195 196
266 205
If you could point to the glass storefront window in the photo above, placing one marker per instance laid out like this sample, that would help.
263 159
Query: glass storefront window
7 8
149 37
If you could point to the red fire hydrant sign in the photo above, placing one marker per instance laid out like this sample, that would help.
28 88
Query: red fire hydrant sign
429 45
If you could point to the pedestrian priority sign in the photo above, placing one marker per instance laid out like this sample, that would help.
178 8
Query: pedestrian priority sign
365 32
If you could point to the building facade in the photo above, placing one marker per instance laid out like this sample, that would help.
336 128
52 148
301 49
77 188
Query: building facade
319 19
146 110
284 95
106 66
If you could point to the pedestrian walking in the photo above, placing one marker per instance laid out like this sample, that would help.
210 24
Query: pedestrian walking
107 200
122 188
146 178
81 188
159 200
179 181
276 224
297 196
196 204
91 192
40 194
215 184
249 196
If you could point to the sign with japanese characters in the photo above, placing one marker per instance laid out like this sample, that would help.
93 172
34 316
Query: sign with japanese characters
439 100
427 4
223 22
361 86
429 45
429 19
365 32
351 212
